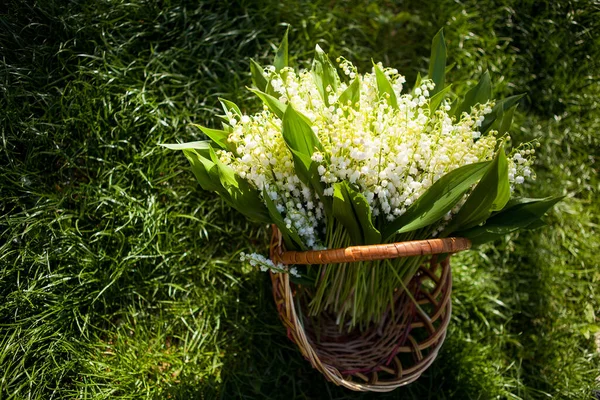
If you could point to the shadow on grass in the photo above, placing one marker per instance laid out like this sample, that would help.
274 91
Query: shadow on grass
264 364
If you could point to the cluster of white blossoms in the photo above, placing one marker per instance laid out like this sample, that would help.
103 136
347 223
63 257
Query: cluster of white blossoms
263 159
391 154
265 264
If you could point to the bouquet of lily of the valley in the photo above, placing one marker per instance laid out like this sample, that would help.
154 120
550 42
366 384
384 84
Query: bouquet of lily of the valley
337 158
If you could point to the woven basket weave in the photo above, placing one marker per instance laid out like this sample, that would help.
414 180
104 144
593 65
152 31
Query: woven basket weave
390 354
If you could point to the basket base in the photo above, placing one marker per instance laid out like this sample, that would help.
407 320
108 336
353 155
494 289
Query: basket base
390 354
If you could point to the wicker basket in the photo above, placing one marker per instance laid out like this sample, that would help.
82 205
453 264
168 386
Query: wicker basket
397 350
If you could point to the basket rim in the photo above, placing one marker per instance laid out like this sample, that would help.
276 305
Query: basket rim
284 295
371 252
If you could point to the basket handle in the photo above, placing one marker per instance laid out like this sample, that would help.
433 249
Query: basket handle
366 253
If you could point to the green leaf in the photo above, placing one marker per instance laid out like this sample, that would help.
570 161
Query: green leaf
307 171
226 127
437 62
351 94
480 94
324 74
536 224
259 79
226 173
385 87
522 212
204 170
436 100
302 142
491 194
199 145
481 238
290 236
298 134
362 210
506 121
437 200
229 106
203 167
219 137
417 82
518 214
454 106
501 107
247 201
344 213
281 57
241 195
213 175
503 185
277 107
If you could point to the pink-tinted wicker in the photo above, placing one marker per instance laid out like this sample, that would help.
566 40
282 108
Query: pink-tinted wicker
390 354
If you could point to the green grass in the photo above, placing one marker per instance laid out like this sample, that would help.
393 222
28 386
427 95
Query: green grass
119 278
